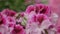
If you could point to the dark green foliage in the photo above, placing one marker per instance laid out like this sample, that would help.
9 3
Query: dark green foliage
17 5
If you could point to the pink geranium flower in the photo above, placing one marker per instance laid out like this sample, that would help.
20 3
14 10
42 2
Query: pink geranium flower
39 8
37 19
8 12
18 29
37 23
34 28
30 8
41 17
11 21
44 9
2 19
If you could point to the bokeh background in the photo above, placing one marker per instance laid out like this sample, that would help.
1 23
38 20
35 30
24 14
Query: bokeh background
19 5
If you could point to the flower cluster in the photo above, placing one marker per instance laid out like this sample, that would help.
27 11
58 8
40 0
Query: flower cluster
37 19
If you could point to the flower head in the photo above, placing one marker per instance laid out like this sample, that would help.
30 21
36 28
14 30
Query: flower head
8 12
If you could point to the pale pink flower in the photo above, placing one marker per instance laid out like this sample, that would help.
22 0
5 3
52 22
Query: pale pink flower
37 24
55 6
34 28
4 29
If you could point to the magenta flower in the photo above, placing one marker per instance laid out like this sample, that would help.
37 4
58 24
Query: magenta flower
36 23
21 14
18 29
32 17
8 12
2 19
37 19
0 33
11 21
41 17
39 8
30 8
